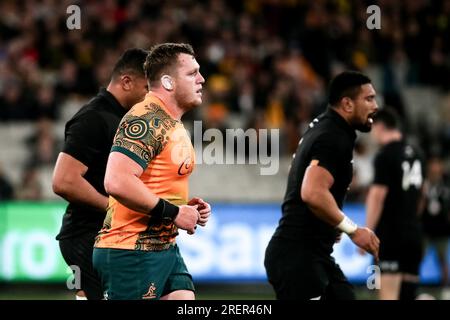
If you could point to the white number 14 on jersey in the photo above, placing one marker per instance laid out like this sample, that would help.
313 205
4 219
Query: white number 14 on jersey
412 175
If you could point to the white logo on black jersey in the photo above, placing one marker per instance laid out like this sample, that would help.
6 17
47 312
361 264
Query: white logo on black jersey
409 151
311 125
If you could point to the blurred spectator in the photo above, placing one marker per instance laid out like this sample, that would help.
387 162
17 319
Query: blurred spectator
444 131
15 103
47 105
67 82
266 62
6 188
362 172
30 188
218 102
231 38
395 76
436 215
42 144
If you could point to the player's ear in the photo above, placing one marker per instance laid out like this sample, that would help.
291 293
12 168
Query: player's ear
166 82
126 82
348 104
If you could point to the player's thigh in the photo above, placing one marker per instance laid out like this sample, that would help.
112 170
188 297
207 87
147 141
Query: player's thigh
389 256
133 274
338 288
77 252
179 295
179 284
294 271
119 273
411 255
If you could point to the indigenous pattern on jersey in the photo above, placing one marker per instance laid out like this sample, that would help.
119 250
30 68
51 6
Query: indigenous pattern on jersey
161 146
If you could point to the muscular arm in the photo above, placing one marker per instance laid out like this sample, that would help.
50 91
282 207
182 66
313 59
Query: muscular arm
374 203
315 192
123 183
69 182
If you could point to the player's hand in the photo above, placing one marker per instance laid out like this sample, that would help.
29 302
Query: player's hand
366 240
361 251
203 208
187 218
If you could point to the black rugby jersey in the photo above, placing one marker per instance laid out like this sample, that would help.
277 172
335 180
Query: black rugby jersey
329 140
399 166
88 138
435 218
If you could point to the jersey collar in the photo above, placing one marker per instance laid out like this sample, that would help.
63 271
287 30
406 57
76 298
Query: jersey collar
163 105
341 122
112 101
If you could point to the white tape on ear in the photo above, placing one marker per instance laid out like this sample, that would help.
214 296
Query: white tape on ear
166 82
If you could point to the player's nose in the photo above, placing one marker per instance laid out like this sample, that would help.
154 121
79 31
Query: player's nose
201 79
375 106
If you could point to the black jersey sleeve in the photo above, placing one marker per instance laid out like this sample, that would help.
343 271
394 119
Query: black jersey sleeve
381 169
84 137
330 153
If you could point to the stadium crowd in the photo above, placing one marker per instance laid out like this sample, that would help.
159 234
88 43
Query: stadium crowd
266 62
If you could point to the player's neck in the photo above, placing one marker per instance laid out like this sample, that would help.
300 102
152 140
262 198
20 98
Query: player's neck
343 115
392 136
170 104
118 95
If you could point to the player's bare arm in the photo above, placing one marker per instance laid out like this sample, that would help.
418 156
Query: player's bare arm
123 183
315 192
69 182
422 199
374 204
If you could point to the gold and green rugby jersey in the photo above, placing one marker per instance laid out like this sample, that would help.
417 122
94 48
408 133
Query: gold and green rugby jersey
161 146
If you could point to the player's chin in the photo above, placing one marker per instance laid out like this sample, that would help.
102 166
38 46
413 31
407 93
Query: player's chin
193 104
364 127
198 101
